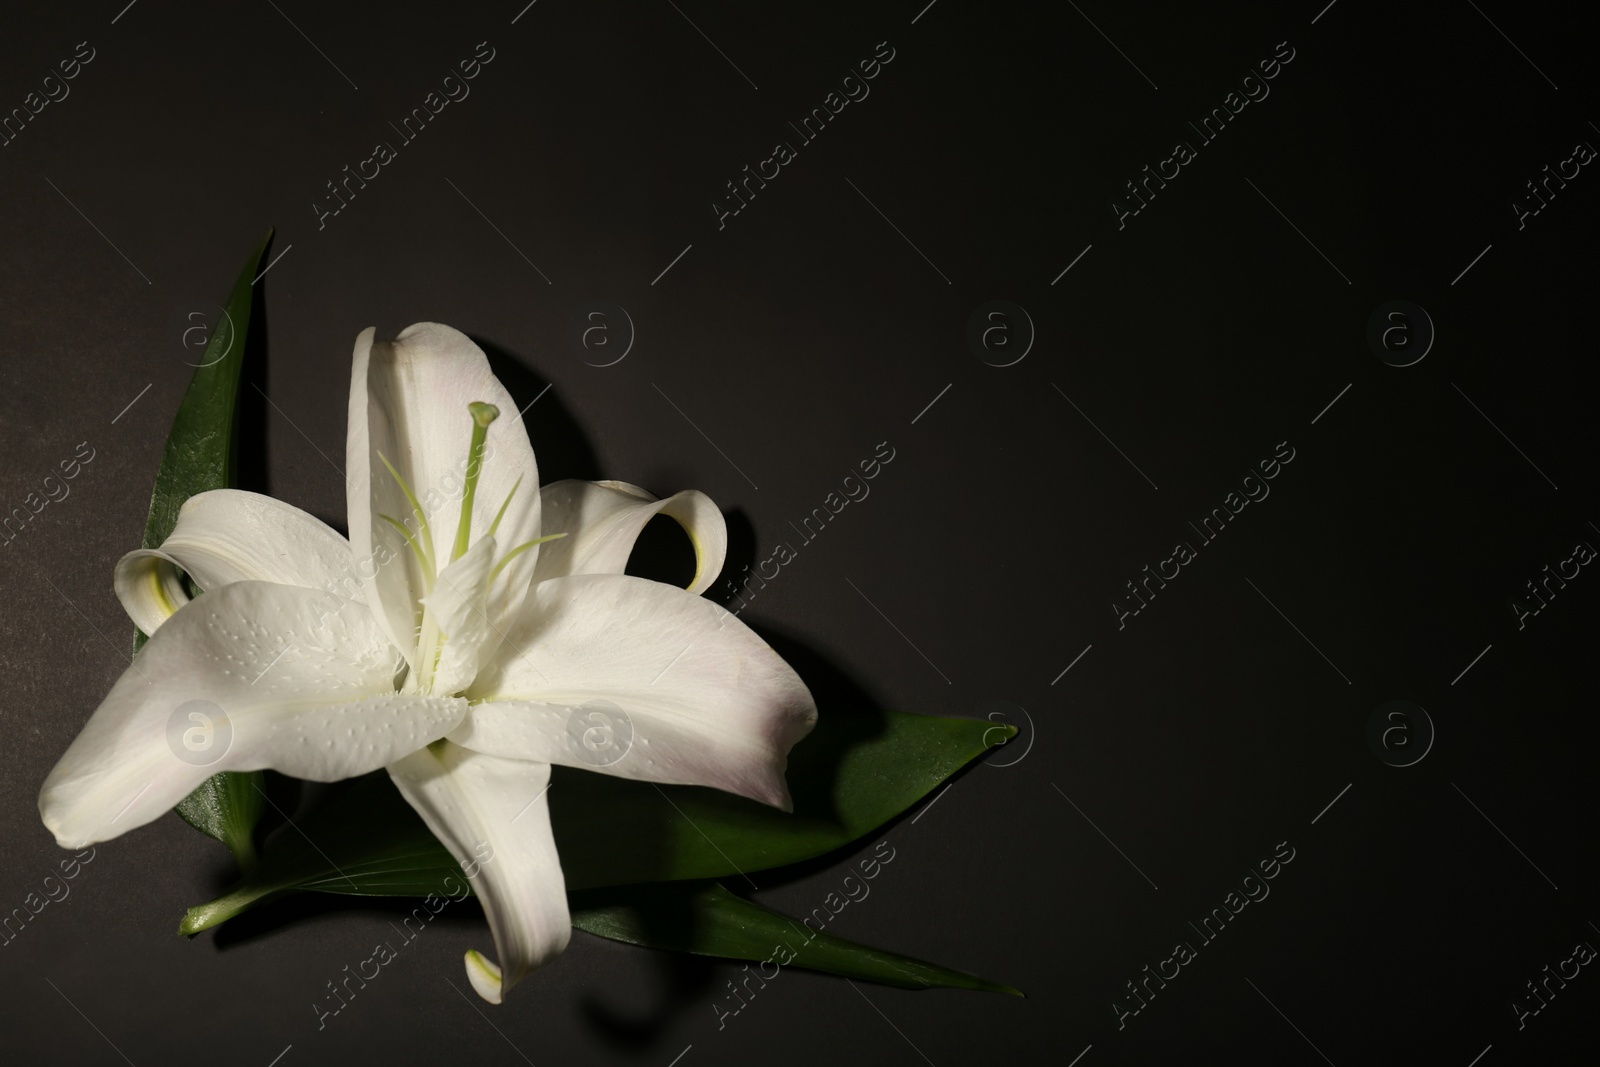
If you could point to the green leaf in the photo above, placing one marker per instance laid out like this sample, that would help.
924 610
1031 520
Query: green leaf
707 920
365 840
850 776
227 806
200 453
200 457
853 774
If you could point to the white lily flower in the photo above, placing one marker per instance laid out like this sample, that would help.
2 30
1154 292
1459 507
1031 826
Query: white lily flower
447 640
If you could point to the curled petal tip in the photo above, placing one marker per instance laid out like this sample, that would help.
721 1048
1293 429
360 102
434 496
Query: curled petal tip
484 976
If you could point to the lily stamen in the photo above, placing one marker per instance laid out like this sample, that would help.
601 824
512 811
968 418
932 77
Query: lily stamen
422 520
422 558
495 525
507 558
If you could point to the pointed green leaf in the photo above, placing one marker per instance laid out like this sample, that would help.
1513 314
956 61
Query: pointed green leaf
707 920
846 782
365 840
848 778
227 806
200 454
200 457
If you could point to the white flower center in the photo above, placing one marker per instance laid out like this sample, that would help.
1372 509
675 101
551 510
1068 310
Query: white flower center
431 639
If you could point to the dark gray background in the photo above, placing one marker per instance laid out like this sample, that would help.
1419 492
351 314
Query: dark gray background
1220 321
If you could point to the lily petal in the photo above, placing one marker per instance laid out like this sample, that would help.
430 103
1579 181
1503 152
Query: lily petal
602 520
493 815
459 604
226 536
637 679
408 404
246 677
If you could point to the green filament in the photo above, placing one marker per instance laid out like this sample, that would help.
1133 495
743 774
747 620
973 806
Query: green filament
495 525
509 556
422 559
422 517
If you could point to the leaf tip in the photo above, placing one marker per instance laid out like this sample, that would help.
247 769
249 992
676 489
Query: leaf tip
194 921
995 736
984 985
